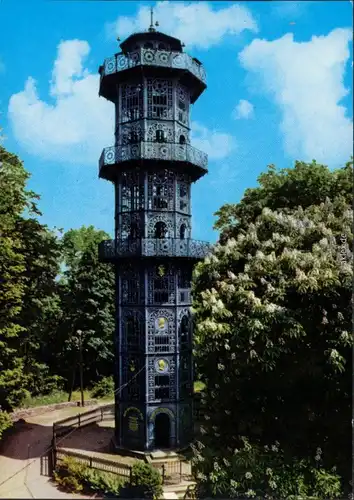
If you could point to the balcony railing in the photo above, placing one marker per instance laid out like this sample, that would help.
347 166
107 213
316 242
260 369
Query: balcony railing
153 151
152 247
150 57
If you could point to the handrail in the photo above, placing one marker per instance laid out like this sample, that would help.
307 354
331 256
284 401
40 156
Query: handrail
147 150
152 57
150 247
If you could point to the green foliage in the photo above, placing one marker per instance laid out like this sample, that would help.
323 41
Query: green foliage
87 295
69 474
13 201
5 422
104 388
73 476
146 482
29 262
262 472
76 242
273 313
104 482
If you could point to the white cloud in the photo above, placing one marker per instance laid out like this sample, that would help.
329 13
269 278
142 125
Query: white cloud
196 23
306 81
77 125
244 109
217 145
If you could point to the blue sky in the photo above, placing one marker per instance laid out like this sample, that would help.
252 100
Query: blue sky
279 78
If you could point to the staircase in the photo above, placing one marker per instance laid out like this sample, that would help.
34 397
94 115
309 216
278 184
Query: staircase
176 491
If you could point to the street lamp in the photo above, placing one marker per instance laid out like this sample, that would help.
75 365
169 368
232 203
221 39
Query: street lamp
79 336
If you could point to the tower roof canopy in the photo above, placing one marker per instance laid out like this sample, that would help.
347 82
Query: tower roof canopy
148 36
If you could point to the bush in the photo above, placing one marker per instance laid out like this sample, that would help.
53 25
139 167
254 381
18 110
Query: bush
262 472
69 474
105 482
146 482
104 388
73 476
5 422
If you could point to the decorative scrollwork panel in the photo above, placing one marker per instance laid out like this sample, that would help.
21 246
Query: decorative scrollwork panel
160 226
161 190
162 284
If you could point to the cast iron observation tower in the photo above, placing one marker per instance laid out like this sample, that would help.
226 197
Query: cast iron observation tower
152 165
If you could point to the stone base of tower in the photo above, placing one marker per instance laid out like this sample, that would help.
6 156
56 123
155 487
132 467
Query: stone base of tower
145 428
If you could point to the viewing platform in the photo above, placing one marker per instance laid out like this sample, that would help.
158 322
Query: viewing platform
110 250
155 59
183 156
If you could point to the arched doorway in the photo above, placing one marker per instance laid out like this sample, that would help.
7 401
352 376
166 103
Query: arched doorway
162 431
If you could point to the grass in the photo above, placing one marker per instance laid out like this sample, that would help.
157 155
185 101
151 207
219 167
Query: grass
54 398
62 397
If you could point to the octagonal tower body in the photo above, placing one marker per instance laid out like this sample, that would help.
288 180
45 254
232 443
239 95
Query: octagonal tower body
152 165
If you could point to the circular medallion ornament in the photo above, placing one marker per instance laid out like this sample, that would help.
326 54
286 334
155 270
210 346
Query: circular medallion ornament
149 56
110 67
163 57
109 157
178 61
161 323
161 365
122 62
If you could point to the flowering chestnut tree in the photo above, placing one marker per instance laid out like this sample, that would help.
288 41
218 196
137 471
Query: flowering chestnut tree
273 340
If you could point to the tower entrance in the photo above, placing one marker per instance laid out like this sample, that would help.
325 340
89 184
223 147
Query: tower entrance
162 431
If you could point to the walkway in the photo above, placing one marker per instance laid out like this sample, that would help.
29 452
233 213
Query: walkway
24 448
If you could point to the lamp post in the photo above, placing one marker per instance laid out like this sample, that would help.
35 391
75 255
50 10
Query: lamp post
79 336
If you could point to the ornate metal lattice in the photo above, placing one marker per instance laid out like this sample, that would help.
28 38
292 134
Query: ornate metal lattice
183 227
159 98
153 165
182 135
161 285
131 377
130 285
183 194
161 331
161 190
132 191
162 378
182 104
130 133
184 328
132 102
160 132
132 330
130 229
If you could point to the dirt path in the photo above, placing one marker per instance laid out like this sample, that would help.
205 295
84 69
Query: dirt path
24 448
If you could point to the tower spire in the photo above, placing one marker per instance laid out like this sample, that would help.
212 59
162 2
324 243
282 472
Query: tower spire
151 28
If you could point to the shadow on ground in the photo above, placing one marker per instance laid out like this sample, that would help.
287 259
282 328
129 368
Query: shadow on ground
92 438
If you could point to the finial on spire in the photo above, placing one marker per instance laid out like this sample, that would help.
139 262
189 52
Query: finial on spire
151 28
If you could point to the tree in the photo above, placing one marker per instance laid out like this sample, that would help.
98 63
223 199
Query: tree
29 264
88 304
272 307
14 200
41 305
